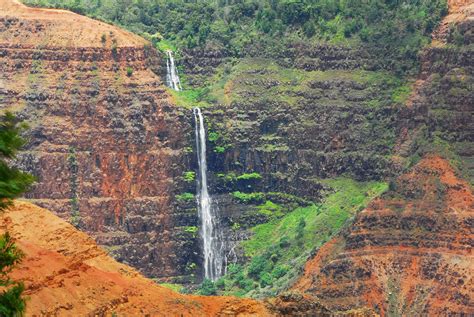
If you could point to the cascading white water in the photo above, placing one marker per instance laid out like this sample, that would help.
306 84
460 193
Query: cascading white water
213 245
172 78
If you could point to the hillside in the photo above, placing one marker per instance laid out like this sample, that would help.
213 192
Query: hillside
408 253
67 274
318 157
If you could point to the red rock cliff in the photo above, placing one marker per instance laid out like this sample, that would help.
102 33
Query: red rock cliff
409 253
104 141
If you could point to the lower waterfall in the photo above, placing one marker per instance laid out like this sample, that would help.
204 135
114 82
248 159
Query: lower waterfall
213 246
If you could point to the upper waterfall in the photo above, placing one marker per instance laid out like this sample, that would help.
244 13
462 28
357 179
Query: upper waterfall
172 78
213 248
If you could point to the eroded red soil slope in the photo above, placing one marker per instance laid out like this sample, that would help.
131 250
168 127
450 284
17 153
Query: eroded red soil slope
409 252
67 274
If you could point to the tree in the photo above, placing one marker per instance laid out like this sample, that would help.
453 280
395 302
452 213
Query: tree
13 183
300 231
207 288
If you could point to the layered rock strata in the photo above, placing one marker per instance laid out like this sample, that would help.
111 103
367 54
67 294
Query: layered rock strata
105 142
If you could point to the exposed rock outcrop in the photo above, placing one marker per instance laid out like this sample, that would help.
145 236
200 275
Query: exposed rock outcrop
106 143
409 253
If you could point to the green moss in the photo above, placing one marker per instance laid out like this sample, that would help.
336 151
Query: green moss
246 198
270 209
185 197
189 176
249 176
191 229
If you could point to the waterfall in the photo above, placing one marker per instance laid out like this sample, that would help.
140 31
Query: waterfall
213 246
172 78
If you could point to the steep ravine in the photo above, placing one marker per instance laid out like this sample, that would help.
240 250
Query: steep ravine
114 153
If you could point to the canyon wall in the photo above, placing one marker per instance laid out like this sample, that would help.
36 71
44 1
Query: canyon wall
105 141
110 148
410 251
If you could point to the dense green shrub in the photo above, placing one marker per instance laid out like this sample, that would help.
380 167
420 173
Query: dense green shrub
13 183
247 198
185 197
207 288
258 265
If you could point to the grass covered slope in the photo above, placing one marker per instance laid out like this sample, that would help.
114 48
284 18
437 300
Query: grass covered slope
277 250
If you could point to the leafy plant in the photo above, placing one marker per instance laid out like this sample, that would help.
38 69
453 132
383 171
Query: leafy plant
189 176
185 197
13 183
207 288
247 198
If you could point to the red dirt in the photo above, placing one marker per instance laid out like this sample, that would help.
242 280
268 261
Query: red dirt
67 274
65 29
408 253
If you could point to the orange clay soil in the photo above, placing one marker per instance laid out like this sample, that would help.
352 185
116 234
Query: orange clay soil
459 10
64 28
409 253
67 274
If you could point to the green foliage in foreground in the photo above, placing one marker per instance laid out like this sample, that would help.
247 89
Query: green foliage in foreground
278 249
13 183
207 288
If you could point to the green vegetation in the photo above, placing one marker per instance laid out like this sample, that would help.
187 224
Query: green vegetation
279 248
189 176
270 209
213 136
219 149
207 288
191 229
174 287
396 29
246 198
185 197
13 183
129 72
249 176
